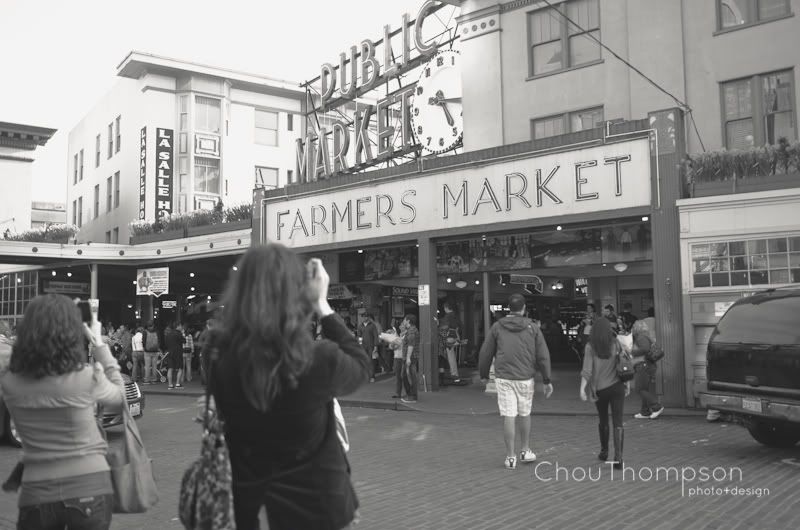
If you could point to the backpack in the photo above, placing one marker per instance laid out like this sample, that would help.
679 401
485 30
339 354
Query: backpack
656 352
151 341
625 370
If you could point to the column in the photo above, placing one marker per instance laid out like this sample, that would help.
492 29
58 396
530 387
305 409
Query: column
487 324
667 188
429 364
257 223
93 280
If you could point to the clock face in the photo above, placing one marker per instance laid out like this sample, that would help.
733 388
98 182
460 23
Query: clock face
436 113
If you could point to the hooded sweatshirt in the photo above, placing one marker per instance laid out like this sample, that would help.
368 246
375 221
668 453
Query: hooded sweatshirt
517 346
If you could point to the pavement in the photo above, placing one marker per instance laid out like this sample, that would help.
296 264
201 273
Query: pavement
470 399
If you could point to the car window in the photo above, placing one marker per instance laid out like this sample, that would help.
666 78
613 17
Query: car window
775 321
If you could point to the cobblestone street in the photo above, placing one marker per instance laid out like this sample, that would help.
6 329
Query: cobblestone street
416 470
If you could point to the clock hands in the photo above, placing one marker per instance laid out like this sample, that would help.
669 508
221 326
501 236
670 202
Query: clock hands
440 100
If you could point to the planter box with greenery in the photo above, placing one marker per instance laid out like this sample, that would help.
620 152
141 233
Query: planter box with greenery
54 233
217 228
199 222
724 172
158 236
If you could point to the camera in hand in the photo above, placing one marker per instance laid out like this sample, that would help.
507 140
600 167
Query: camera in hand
86 312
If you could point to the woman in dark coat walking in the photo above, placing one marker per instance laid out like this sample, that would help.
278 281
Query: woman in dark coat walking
274 388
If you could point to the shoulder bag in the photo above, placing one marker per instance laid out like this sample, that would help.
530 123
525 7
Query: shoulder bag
625 370
206 496
655 354
135 489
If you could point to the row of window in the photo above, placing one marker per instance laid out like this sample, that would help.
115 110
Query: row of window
114 144
112 236
748 262
16 291
208 118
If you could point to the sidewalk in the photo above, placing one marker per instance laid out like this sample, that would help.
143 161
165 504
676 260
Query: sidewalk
465 400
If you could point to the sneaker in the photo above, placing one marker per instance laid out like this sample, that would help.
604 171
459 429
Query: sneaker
656 414
179 386
371 379
640 416
511 462
171 387
527 456
408 400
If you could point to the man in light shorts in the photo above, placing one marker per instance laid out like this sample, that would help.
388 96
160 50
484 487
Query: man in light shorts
517 347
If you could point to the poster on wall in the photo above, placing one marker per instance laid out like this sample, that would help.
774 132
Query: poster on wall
152 282
389 263
164 171
500 253
452 256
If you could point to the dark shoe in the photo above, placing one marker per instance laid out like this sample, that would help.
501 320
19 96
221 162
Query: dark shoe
619 441
603 431
396 396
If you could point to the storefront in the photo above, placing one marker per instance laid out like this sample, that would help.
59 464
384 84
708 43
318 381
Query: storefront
567 225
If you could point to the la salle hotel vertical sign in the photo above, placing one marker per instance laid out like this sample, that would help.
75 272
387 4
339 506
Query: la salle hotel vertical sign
164 171
143 173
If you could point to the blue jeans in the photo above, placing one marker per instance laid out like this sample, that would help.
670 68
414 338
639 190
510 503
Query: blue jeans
645 384
87 513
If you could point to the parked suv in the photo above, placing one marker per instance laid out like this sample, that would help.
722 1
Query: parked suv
753 369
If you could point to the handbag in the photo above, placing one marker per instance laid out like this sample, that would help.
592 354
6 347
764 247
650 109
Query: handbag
131 470
625 370
206 496
655 354
341 426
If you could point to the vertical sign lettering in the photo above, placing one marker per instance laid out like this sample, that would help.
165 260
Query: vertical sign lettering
164 141
142 171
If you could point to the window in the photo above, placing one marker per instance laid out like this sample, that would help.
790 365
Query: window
758 110
266 177
207 114
116 189
108 193
733 13
108 236
206 175
80 158
290 122
119 134
75 212
569 122
80 212
747 262
556 44
96 201
266 127
97 152
289 175
110 140
75 173
115 236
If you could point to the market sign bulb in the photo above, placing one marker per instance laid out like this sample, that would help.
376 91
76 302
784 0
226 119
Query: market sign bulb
461 284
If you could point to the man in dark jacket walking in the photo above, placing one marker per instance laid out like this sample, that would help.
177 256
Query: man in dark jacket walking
369 341
517 347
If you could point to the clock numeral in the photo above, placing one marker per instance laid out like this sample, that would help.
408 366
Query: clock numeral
439 61
455 131
441 142
419 129
416 111
427 72
453 60
419 90
429 140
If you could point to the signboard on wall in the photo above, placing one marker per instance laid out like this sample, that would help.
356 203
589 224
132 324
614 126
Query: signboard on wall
153 282
602 178
78 288
142 172
164 171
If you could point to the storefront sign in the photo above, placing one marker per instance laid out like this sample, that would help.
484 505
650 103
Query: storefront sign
424 295
169 304
608 177
164 166
362 70
142 172
338 291
405 291
78 288
153 282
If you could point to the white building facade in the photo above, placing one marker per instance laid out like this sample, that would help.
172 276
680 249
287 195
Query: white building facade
173 137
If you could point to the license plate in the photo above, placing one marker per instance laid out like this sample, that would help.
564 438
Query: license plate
135 408
751 404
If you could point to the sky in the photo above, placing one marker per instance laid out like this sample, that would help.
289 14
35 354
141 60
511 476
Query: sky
59 57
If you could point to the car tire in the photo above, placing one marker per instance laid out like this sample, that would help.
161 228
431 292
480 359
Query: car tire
11 432
773 434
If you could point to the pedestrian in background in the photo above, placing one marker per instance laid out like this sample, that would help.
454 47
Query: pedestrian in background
410 350
610 315
605 388
517 347
394 340
274 388
137 354
51 394
369 341
173 342
452 339
152 348
645 370
188 354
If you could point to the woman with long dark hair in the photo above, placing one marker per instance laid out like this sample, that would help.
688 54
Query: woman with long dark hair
51 393
605 388
274 387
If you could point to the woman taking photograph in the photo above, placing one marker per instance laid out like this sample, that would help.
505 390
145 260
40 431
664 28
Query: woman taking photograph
274 388
51 393
605 388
